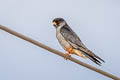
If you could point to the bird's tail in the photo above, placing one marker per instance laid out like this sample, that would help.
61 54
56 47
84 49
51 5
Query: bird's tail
89 54
94 59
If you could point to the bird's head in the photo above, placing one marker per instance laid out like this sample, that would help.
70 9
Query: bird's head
59 22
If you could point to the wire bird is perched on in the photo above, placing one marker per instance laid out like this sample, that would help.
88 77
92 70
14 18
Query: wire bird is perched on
57 52
71 42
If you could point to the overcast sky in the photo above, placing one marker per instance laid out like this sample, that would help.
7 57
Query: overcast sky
97 22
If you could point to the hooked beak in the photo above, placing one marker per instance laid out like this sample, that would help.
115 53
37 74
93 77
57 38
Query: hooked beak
54 23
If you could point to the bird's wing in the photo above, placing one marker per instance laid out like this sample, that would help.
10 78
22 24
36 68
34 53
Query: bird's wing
75 41
72 37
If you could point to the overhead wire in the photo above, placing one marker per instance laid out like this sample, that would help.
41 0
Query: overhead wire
58 52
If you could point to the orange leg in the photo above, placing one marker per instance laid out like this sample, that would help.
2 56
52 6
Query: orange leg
68 52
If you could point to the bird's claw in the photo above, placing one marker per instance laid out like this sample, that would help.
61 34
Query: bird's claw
67 55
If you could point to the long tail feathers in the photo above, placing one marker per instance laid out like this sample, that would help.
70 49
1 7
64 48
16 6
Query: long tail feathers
93 57
99 58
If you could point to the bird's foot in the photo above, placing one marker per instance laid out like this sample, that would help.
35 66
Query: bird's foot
67 55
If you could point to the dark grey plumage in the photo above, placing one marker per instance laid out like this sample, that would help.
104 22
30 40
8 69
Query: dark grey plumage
71 37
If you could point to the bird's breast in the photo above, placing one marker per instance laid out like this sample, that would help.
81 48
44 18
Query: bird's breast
62 39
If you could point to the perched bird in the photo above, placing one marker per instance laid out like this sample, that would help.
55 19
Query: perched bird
71 42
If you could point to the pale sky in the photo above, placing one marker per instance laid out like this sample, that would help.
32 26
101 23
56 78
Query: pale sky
97 23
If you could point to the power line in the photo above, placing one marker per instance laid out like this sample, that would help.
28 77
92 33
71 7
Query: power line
58 52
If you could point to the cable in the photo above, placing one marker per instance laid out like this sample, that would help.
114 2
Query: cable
58 52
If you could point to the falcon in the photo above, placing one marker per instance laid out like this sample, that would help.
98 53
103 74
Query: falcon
71 43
